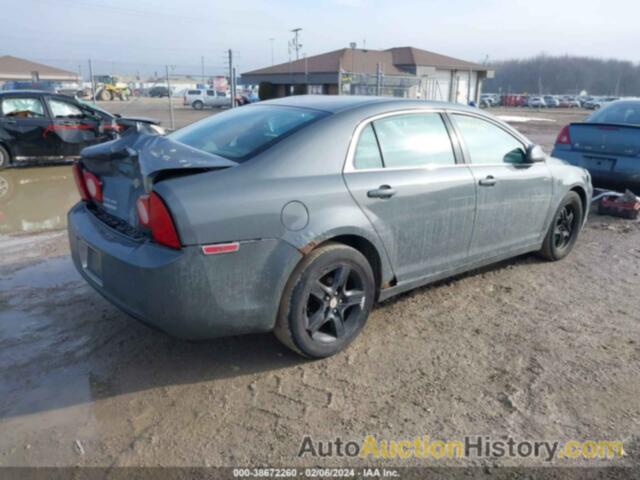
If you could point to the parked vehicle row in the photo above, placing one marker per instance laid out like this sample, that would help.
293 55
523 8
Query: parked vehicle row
37 126
488 100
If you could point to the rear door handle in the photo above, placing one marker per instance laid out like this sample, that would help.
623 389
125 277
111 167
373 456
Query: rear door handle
383 191
488 181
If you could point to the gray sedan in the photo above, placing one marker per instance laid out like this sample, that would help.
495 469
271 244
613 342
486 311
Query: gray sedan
297 215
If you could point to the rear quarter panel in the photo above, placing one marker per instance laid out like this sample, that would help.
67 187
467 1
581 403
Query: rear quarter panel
247 202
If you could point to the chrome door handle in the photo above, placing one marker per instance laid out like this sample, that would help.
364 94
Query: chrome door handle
383 191
488 181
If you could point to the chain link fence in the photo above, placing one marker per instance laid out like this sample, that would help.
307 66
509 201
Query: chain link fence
394 86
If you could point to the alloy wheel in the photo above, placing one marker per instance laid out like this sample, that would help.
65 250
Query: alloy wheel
335 301
564 226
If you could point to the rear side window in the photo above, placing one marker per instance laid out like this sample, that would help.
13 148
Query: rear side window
241 133
414 140
367 152
488 144
193 92
23 107
64 109
623 113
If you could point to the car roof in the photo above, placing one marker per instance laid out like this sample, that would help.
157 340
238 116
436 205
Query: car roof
338 103
26 93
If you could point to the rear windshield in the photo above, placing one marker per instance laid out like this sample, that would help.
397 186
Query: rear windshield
625 113
243 132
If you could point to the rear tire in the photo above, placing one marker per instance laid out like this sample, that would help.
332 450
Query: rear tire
564 229
326 302
198 105
5 158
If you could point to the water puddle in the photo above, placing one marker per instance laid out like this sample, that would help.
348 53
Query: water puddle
36 199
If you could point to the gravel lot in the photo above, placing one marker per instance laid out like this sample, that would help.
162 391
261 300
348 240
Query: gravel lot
526 348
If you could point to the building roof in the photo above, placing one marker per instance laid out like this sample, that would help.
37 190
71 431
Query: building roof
19 68
394 61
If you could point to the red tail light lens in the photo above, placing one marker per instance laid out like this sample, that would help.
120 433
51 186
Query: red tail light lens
153 213
93 185
563 137
78 177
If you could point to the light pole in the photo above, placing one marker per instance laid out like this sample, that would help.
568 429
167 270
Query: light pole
272 40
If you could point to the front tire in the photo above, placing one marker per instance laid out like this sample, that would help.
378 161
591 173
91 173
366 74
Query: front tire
564 229
326 301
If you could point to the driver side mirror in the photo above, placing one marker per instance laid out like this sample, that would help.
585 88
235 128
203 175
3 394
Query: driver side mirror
535 154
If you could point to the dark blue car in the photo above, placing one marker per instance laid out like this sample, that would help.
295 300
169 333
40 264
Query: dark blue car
607 144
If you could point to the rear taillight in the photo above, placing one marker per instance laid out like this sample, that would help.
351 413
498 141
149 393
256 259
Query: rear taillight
153 214
82 187
564 138
93 185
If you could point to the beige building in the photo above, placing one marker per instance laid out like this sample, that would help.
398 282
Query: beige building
18 69
402 72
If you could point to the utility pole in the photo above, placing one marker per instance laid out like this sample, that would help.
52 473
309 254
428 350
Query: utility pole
173 122
232 79
378 79
306 71
272 40
93 83
296 44
203 80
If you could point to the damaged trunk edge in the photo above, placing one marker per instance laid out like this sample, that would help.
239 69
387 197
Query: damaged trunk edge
154 155
127 169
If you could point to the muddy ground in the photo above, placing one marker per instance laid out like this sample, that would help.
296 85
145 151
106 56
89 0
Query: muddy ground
526 348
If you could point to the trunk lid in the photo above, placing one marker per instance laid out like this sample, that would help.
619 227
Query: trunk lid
605 139
129 166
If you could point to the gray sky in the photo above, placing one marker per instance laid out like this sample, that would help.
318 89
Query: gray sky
123 36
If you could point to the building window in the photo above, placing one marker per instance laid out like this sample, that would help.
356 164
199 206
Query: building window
315 90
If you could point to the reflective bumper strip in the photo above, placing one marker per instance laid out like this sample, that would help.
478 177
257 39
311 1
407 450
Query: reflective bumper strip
220 248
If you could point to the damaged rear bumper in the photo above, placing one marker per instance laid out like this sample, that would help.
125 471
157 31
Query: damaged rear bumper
183 292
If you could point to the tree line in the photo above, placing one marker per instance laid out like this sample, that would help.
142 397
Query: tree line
566 74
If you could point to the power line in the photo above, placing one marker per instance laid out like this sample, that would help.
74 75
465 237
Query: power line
148 13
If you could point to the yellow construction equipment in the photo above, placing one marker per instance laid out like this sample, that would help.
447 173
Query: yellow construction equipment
108 88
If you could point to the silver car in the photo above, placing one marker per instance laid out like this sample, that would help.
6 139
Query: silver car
296 215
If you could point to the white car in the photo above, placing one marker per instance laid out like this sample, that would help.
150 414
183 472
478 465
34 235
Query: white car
199 98
537 102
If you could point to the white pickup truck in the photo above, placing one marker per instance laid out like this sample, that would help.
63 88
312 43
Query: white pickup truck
200 98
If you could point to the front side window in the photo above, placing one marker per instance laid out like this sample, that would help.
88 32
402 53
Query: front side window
367 152
488 144
414 140
24 107
241 133
64 110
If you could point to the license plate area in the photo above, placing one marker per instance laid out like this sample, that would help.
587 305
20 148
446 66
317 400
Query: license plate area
598 163
91 261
